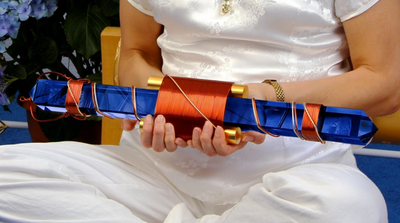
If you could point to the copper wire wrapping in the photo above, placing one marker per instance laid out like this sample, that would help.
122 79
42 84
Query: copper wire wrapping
256 118
309 128
186 104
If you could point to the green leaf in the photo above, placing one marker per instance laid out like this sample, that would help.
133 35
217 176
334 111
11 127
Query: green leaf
17 71
83 29
96 78
43 50
109 8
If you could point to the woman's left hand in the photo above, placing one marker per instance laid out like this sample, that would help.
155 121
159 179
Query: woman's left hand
205 142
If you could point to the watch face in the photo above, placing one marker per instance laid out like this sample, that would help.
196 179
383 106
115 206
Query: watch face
269 81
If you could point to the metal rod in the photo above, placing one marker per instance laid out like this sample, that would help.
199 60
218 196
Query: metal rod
17 125
377 152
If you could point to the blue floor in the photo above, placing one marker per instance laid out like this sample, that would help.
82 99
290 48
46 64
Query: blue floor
385 172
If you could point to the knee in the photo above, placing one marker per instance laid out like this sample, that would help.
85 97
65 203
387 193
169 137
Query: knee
330 192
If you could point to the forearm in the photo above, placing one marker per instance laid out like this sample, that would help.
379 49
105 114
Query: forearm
374 84
135 68
359 89
140 55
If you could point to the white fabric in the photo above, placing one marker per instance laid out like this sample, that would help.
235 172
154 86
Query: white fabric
287 40
282 180
75 182
259 39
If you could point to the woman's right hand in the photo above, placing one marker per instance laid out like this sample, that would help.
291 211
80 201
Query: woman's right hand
157 134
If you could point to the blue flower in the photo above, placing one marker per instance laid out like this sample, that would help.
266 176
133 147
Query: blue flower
3 85
24 10
39 10
13 26
3 27
2 47
3 7
4 99
5 81
51 6
2 72
12 12
13 4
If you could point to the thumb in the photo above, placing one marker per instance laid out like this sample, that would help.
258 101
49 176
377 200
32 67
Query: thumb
254 137
128 124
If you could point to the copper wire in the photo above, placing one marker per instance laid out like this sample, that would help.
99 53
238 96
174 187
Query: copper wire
294 121
255 112
309 128
74 93
187 103
95 103
134 103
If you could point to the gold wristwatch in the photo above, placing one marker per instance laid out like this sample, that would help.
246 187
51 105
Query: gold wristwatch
280 95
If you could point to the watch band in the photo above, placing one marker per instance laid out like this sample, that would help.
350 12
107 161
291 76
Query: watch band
280 95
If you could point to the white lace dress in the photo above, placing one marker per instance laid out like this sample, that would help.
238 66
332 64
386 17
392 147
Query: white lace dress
282 180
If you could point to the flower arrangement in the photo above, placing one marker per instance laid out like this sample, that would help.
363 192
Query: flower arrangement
37 36
12 13
49 35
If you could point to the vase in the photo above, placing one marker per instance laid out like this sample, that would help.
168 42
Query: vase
87 131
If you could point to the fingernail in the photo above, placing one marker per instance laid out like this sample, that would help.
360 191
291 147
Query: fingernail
248 139
160 119
207 126
179 143
148 119
168 127
196 133
218 131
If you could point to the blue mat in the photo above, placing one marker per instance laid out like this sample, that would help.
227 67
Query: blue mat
385 172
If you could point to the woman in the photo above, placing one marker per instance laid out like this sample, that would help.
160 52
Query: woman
305 45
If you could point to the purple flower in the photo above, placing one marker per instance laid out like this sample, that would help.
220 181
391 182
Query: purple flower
12 12
4 99
3 85
51 6
2 47
13 26
24 10
3 7
13 4
3 27
39 10
2 72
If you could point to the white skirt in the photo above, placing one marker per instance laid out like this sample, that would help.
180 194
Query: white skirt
70 181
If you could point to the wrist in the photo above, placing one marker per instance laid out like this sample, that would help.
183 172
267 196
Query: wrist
278 90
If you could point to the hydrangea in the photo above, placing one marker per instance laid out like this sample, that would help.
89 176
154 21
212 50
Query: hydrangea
13 12
4 82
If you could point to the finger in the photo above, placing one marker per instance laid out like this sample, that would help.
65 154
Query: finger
190 143
147 135
221 146
254 137
158 134
128 124
181 143
196 139
206 139
170 138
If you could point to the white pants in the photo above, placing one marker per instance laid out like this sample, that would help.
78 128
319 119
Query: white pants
75 182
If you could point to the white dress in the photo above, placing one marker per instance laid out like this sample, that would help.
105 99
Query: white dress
282 180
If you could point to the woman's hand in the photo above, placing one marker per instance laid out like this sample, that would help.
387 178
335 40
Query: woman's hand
160 136
157 134
213 143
